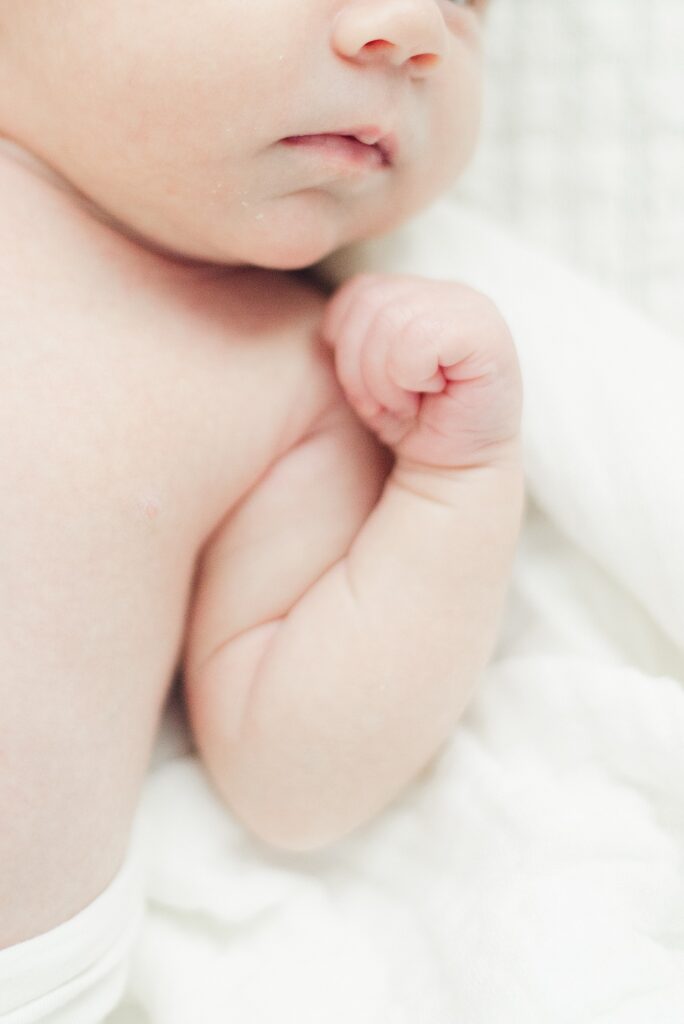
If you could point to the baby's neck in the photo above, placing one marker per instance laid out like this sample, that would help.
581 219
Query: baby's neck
12 150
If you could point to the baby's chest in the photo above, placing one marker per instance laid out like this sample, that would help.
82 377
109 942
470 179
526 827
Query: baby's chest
241 387
178 392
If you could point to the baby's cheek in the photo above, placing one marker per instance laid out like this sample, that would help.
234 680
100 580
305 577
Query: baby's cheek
458 116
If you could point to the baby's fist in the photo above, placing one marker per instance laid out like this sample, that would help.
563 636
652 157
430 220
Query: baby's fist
430 367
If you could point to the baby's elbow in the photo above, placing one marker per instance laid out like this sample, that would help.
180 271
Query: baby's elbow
287 828
285 837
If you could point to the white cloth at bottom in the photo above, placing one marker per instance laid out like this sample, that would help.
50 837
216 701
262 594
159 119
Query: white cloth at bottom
76 972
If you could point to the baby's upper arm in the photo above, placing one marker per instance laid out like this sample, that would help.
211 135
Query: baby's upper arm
298 521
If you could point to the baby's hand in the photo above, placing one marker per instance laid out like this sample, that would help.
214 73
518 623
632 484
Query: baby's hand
429 366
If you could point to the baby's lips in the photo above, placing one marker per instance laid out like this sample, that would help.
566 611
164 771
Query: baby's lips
385 141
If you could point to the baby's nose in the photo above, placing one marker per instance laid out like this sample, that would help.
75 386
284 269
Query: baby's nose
407 33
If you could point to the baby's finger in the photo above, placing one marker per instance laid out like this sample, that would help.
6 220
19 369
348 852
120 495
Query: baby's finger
340 303
382 333
352 330
413 361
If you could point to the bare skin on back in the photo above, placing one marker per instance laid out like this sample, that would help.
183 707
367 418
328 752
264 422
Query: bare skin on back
142 399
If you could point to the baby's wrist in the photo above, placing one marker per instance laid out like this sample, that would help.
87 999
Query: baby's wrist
501 467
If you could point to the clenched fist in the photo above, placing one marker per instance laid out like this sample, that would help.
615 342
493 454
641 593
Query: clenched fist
429 366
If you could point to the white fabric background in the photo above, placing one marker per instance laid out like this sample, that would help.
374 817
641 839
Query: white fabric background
582 149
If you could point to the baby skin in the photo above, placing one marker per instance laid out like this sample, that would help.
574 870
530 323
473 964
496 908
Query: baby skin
303 505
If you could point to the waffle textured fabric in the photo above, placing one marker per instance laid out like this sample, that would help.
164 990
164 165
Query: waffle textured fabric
583 140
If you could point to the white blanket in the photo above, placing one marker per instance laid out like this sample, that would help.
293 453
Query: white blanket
533 875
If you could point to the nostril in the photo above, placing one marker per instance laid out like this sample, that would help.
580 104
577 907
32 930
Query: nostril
418 62
424 61
376 44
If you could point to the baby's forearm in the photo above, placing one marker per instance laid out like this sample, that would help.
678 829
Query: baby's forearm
369 673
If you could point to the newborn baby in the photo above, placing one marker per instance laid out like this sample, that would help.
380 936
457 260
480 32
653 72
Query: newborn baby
303 506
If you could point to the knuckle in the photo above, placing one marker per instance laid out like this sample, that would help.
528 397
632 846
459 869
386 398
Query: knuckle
394 317
490 312
473 297
420 329
486 316
370 290
387 318
361 284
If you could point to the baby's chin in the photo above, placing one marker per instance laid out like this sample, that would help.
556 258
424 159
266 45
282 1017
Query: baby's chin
278 253
291 232
263 246
288 234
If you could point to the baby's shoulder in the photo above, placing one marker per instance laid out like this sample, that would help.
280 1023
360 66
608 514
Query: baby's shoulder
222 366
55 266
37 219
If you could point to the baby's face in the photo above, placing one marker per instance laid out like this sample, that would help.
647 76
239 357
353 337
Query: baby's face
171 115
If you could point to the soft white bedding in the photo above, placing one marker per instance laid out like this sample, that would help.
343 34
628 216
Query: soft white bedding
533 874
582 149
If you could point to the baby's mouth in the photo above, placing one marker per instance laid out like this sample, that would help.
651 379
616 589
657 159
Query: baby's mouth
364 146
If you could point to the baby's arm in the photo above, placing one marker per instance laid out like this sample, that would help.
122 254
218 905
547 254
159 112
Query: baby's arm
350 693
